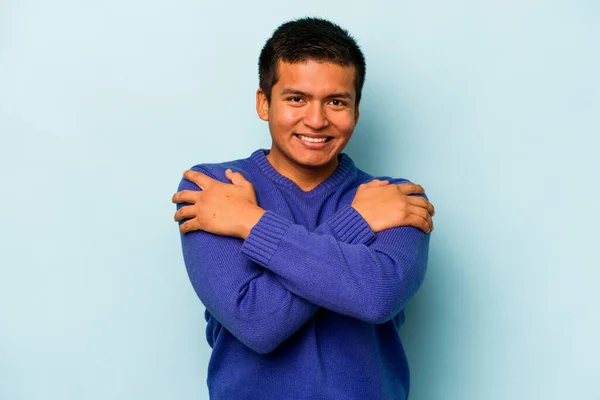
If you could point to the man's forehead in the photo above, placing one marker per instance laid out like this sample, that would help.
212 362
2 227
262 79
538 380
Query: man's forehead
316 76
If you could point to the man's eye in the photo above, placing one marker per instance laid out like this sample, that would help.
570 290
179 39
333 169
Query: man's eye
337 103
295 99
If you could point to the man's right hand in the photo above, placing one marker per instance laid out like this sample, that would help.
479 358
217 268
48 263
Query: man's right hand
384 205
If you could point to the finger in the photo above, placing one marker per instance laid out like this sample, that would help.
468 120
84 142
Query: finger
421 202
375 183
185 212
200 179
228 175
190 226
236 178
419 222
410 188
186 196
378 182
423 214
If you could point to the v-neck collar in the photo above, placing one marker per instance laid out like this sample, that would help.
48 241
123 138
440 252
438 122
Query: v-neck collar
345 166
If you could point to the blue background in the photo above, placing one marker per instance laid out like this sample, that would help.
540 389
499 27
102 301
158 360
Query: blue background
492 106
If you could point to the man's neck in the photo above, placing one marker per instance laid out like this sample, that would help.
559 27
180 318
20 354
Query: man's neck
306 178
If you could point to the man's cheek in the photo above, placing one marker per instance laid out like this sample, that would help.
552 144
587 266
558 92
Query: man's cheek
290 115
346 124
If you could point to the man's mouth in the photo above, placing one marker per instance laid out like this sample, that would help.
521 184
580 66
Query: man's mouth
314 139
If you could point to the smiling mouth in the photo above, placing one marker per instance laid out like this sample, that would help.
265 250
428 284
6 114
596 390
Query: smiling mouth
313 139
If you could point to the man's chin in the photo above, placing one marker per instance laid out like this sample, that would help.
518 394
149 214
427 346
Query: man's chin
309 160
316 163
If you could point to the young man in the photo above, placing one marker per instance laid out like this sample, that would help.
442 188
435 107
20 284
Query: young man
304 262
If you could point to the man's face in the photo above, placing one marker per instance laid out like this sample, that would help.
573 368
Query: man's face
312 114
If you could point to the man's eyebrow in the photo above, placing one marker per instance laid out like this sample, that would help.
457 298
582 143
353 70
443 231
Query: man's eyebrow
343 95
293 91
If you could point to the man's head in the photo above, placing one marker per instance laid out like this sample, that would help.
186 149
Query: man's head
311 78
309 39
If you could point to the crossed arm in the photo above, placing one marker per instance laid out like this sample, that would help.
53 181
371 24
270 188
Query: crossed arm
237 256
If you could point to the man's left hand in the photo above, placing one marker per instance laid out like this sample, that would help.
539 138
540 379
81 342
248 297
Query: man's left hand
220 208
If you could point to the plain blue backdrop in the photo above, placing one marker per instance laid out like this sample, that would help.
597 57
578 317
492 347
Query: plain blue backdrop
493 106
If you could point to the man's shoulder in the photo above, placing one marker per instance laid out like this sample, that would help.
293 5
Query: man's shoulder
364 177
217 170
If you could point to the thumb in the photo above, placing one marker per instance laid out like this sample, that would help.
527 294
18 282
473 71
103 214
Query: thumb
377 182
236 178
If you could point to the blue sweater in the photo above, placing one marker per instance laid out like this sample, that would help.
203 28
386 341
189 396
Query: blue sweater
309 305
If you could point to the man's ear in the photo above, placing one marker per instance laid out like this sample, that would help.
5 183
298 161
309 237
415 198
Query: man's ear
356 112
262 105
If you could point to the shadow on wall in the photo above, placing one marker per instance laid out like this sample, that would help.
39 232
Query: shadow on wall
370 141
430 332
378 142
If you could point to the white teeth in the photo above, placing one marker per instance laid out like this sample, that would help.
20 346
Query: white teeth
312 140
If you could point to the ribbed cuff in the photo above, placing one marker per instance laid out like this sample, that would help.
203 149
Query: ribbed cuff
350 227
264 238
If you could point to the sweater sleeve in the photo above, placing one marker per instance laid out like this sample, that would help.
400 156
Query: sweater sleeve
371 278
248 300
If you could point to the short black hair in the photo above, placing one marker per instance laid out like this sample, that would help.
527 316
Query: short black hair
309 39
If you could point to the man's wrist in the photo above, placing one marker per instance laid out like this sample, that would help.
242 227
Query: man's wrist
363 214
249 218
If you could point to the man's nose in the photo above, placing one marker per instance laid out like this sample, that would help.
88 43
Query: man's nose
316 117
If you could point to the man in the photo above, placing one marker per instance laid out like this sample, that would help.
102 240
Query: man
304 262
